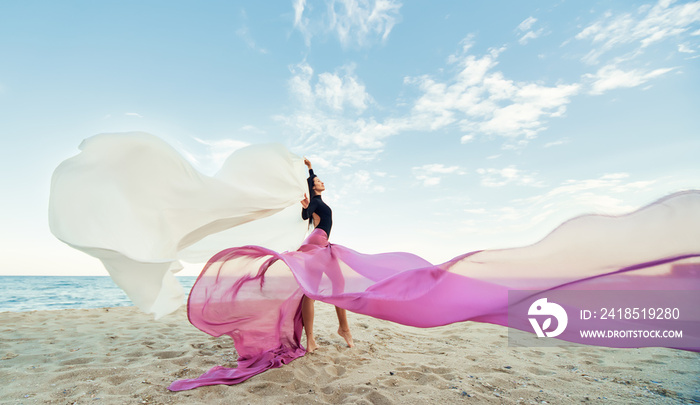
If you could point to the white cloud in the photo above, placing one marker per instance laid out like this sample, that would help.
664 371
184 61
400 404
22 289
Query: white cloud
648 26
527 23
360 181
597 193
483 101
318 161
432 174
300 22
574 187
610 77
531 218
466 138
133 114
329 114
332 91
336 92
333 108
557 142
683 48
507 175
528 33
466 43
252 128
355 22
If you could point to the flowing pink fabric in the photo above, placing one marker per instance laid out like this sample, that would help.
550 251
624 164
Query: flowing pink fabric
253 294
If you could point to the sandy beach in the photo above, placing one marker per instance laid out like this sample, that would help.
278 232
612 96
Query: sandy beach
122 356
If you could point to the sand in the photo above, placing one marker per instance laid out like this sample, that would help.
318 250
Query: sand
122 356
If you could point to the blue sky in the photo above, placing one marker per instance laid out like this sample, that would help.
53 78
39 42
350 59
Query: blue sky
439 128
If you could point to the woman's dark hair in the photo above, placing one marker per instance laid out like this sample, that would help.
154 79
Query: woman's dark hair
310 182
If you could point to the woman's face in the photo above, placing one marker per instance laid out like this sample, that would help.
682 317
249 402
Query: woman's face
318 185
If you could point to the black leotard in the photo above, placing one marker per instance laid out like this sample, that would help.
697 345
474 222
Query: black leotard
320 208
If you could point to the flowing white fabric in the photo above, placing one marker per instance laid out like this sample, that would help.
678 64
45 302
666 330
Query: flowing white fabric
132 201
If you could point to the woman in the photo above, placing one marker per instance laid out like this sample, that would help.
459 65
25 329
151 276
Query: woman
321 216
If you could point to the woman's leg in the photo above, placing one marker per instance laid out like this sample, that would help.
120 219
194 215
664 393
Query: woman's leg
307 314
343 326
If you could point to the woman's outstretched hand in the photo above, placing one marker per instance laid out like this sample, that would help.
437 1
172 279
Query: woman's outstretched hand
305 201
307 163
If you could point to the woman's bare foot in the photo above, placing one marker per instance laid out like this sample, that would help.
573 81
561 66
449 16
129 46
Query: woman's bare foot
311 345
345 334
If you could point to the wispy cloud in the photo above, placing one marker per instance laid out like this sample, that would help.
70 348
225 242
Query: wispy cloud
361 181
649 25
610 77
527 23
432 174
300 22
334 109
252 129
602 193
133 114
538 214
471 95
355 22
330 114
684 48
508 176
338 92
562 141
331 91
526 31
483 101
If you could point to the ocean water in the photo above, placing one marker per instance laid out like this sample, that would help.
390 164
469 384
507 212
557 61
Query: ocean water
40 293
